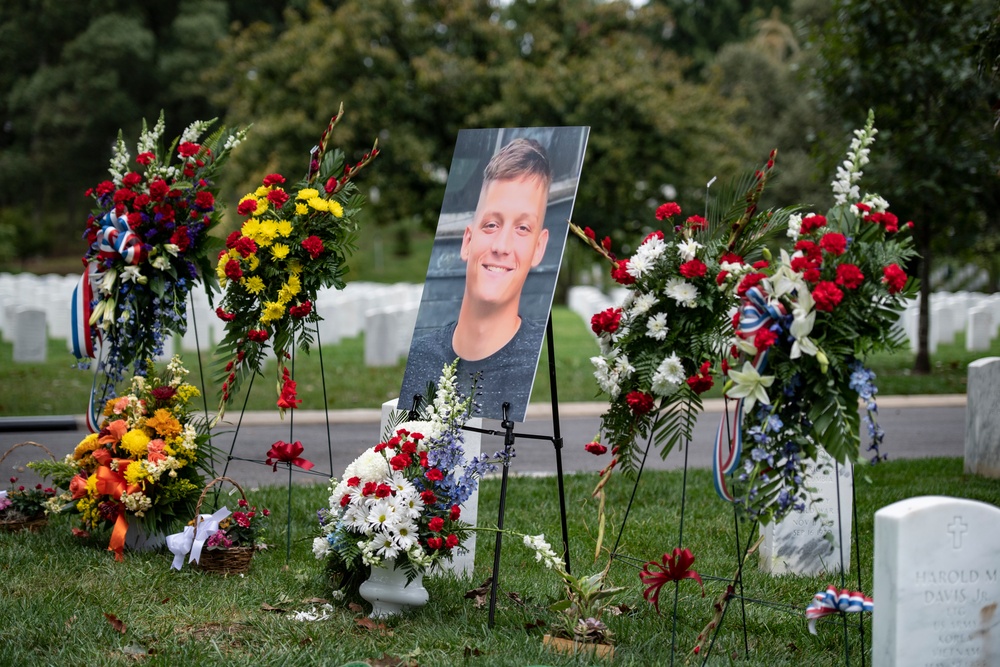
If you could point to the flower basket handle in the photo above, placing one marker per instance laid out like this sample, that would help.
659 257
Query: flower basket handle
217 480
27 443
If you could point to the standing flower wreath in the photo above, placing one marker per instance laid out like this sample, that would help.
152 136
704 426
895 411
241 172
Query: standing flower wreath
402 499
804 328
658 346
292 243
149 244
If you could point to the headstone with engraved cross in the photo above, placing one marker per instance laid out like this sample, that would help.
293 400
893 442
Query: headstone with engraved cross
937 561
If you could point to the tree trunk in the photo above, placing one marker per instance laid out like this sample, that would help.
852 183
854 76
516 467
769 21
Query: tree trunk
922 364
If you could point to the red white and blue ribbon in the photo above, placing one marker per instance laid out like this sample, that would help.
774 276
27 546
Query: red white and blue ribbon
829 602
756 313
116 236
80 310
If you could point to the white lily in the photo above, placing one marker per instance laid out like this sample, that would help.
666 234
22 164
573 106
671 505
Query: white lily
107 285
785 280
803 320
133 274
750 385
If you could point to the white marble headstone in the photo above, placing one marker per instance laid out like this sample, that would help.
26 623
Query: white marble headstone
978 329
982 418
30 337
461 564
937 561
800 543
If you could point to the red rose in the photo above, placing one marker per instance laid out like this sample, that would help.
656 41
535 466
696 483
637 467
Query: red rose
763 339
436 524
188 149
313 245
233 270
145 158
894 278
639 402
434 475
667 210
833 243
435 543
693 269
849 276
620 273
606 321
204 201
749 280
273 179
811 223
826 295
451 541
595 448
696 222
247 207
456 512
277 197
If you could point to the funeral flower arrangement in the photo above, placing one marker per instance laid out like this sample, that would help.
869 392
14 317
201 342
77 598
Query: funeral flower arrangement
144 467
805 326
294 241
658 348
19 503
242 528
402 499
149 244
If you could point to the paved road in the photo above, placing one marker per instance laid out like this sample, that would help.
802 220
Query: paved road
916 427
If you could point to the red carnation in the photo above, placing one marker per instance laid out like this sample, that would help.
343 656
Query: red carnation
606 321
369 488
400 461
721 277
145 158
141 201
163 393
277 197
131 179
301 310
247 207
434 475
233 270
345 500
811 223
826 295
313 245
383 491
257 335
451 541
180 238
354 481
273 179
435 543
287 400
455 512
894 278
105 187
667 210
849 276
730 258
640 402
833 243
246 246
158 189
620 273
436 524
188 149
658 234
232 239
595 448
204 201
693 269
810 250
696 222
428 497
749 280
763 339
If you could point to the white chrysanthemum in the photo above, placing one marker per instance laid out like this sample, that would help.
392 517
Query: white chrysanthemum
643 303
688 249
371 466
638 266
623 367
321 548
431 430
606 378
650 250
681 291
656 326
668 376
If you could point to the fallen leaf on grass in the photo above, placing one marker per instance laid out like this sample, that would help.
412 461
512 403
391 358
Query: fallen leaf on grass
472 652
538 623
80 533
164 600
373 626
266 607
115 622
315 601
305 641
135 650
70 621
516 597
481 594
355 607
620 609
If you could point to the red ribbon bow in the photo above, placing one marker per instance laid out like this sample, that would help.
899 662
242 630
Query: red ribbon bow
674 567
287 452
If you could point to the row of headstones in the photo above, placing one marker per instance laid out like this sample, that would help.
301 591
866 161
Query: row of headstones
34 309
976 313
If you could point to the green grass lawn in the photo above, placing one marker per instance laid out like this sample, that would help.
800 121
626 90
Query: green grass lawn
56 388
57 590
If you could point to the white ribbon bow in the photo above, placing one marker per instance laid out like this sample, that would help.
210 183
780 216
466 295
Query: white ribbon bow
193 541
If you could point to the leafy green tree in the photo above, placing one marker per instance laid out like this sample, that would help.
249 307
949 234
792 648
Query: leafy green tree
936 159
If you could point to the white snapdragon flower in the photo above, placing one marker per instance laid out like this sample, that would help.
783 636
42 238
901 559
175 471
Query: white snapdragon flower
845 187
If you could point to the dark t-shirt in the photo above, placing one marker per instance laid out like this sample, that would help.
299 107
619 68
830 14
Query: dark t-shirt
506 375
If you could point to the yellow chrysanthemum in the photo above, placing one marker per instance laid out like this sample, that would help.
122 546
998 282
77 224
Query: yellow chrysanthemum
285 295
164 423
235 254
284 228
301 209
294 284
251 228
295 268
319 204
279 251
262 191
262 206
136 473
220 272
109 406
252 262
265 235
336 209
135 442
253 284
306 194
272 311
86 446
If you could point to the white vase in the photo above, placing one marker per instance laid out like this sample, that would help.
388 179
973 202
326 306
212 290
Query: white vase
137 539
389 594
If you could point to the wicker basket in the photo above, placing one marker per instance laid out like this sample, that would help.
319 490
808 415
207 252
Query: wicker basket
223 561
34 524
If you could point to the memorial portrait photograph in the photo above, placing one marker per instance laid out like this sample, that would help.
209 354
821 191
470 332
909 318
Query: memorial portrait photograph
494 264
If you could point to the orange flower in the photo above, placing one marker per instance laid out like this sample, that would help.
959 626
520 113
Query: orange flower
115 431
154 452
164 423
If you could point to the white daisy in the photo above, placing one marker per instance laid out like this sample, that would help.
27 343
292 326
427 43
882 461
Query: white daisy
386 546
405 535
382 515
656 326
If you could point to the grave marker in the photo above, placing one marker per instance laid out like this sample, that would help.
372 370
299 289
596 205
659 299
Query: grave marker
982 419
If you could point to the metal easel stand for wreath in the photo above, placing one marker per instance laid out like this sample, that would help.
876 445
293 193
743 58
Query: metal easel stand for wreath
292 460
743 549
